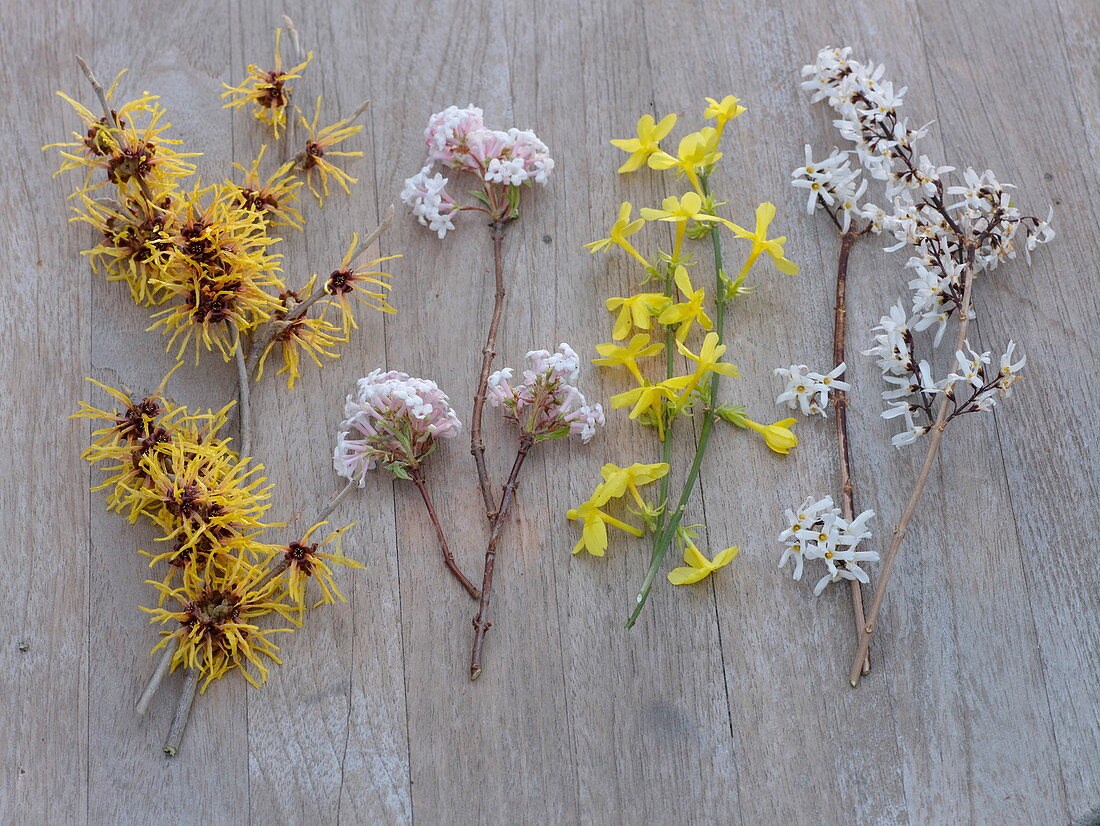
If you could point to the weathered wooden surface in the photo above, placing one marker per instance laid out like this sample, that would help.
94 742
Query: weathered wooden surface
728 702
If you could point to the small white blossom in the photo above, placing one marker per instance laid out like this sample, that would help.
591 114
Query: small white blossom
816 530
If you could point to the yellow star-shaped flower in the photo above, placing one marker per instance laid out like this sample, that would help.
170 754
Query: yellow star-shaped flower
594 533
698 150
708 361
761 243
617 481
698 566
687 312
627 355
620 231
651 397
647 143
636 310
723 111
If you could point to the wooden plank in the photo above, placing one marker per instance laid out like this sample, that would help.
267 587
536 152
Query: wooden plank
727 703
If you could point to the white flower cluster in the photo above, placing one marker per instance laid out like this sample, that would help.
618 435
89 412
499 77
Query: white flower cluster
948 228
458 139
834 185
809 391
913 386
426 195
393 418
547 404
816 530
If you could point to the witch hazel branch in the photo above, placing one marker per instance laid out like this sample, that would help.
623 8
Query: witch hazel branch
954 232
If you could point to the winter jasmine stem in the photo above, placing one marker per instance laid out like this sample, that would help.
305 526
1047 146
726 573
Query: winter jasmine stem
159 673
244 409
488 352
935 438
417 478
183 712
662 540
481 622
840 403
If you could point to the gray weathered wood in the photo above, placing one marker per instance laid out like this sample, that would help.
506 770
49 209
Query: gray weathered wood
728 702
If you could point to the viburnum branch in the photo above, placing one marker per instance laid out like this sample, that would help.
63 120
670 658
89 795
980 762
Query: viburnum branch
840 403
417 478
481 622
935 438
488 353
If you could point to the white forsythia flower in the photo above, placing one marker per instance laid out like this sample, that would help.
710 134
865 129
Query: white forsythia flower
816 530
807 390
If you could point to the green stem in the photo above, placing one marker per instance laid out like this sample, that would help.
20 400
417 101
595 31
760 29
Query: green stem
666 445
662 539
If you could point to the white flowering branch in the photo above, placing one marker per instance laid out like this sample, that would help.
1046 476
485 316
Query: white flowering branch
951 244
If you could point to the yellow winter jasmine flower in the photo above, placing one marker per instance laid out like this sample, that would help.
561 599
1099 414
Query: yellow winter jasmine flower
708 361
620 231
637 310
647 142
777 436
617 481
698 150
723 111
651 397
698 566
688 312
638 347
761 243
594 534
680 210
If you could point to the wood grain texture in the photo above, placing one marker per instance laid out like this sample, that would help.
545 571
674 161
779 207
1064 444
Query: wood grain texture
727 703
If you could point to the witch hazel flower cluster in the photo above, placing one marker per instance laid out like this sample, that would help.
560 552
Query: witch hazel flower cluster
810 391
392 419
816 531
504 160
547 404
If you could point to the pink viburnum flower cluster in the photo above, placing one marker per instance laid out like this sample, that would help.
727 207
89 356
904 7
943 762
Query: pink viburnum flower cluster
547 405
458 139
392 419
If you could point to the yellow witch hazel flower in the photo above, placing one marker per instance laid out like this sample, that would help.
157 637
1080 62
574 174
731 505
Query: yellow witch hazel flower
691 321
647 144
268 90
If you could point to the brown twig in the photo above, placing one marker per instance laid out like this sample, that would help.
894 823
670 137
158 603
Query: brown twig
481 623
183 712
935 438
448 557
477 443
158 676
840 403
